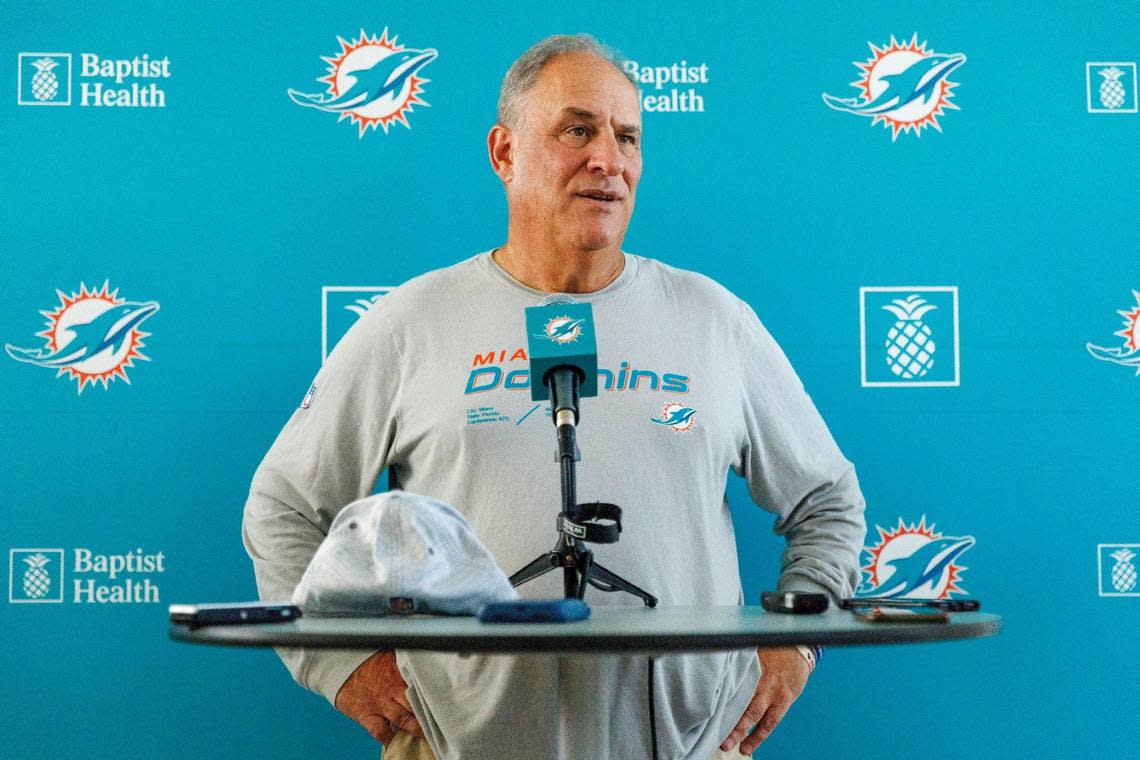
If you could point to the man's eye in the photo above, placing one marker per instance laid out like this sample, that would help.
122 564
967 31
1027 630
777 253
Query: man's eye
577 131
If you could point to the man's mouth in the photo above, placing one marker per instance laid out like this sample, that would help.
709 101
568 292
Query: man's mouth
599 195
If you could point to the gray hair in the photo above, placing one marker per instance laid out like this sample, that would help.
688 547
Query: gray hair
524 72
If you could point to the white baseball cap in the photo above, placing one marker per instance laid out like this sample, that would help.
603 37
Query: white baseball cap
400 552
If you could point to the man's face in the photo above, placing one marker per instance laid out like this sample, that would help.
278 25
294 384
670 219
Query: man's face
577 153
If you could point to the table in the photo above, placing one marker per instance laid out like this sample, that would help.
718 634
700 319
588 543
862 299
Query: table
628 630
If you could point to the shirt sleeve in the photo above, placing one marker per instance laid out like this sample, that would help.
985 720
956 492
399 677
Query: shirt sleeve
795 470
328 455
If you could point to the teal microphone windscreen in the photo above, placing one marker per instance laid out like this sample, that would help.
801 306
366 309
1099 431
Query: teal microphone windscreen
560 331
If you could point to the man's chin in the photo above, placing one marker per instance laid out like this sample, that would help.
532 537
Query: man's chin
599 240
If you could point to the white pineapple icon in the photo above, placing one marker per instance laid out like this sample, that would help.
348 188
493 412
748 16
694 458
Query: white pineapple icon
45 84
910 346
37 582
1112 93
1123 572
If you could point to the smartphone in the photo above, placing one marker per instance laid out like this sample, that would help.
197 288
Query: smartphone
901 615
535 611
950 605
794 603
233 613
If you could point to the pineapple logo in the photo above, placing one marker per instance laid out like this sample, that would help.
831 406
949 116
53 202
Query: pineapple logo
1127 355
45 86
915 562
1111 90
35 575
1111 87
1117 570
92 337
906 326
910 349
902 86
372 82
40 83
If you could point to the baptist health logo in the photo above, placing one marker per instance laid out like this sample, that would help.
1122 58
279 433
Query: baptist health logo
341 307
1116 569
37 576
372 81
39 79
1111 87
902 86
909 336
676 99
45 79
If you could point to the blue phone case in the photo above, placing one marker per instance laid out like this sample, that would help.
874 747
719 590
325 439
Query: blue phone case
534 611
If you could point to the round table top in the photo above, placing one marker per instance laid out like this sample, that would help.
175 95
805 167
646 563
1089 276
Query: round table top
608 629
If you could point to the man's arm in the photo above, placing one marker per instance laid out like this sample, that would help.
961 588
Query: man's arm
327 456
795 470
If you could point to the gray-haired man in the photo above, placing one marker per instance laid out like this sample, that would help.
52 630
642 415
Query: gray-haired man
399 391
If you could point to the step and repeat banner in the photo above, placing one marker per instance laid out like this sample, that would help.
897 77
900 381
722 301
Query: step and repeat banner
932 207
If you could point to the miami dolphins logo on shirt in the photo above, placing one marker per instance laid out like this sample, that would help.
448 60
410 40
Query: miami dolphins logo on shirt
677 416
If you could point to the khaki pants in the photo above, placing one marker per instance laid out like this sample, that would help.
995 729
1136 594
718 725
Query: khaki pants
408 747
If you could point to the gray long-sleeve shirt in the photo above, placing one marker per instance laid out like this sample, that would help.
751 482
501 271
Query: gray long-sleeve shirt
433 381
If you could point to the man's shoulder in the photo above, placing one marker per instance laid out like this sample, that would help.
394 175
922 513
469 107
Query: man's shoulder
434 288
694 287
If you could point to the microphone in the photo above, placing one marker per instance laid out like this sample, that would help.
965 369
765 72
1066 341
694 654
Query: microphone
563 354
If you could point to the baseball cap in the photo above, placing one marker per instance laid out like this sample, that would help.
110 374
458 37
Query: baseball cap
400 552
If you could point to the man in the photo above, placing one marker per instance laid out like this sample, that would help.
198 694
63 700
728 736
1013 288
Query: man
429 382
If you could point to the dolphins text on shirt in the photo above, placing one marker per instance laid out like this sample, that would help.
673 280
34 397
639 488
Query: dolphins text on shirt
486 375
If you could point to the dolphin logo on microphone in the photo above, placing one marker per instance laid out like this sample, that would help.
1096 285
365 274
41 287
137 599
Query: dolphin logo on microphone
563 329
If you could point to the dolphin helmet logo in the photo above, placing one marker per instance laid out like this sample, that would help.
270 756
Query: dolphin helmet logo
677 416
92 336
914 561
1128 354
903 86
373 81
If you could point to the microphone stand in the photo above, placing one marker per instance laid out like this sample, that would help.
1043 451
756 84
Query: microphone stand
570 553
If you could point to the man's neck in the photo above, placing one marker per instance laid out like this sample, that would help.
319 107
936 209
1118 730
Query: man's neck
551 271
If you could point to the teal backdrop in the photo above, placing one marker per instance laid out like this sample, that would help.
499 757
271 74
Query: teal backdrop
234 209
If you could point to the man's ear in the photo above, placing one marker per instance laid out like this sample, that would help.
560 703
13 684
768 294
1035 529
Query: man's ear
501 151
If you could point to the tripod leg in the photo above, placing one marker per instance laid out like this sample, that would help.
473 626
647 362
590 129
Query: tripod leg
541 565
570 585
585 562
599 573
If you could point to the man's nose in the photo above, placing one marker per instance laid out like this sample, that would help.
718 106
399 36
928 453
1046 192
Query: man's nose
605 155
